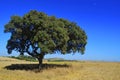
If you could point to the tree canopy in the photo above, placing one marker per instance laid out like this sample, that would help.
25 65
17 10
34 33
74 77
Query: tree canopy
38 34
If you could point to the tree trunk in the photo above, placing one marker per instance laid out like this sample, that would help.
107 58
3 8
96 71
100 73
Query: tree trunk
40 59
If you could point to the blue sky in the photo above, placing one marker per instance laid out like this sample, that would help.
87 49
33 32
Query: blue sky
99 18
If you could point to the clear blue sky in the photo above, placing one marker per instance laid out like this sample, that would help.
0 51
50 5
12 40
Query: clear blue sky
99 18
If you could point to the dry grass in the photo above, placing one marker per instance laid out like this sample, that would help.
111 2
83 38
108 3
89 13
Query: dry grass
76 71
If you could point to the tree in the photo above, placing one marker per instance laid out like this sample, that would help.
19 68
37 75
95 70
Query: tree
38 34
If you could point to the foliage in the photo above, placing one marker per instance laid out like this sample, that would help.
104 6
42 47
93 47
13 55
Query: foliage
38 34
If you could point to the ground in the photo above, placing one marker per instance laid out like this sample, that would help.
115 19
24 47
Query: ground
12 69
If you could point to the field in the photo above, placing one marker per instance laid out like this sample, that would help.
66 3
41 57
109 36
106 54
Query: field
12 69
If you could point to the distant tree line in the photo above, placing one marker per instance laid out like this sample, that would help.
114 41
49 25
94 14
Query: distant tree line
25 57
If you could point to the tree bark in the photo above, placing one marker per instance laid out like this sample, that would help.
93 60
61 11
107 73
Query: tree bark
40 59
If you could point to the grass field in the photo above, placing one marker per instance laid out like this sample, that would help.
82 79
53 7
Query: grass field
82 70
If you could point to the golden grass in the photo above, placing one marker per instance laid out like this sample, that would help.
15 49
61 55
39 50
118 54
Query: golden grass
77 71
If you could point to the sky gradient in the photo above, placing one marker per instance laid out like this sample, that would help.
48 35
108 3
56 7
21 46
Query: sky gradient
99 18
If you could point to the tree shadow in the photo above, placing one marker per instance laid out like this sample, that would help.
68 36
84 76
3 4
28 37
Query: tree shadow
34 67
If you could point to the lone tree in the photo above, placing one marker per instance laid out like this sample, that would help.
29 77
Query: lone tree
38 34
